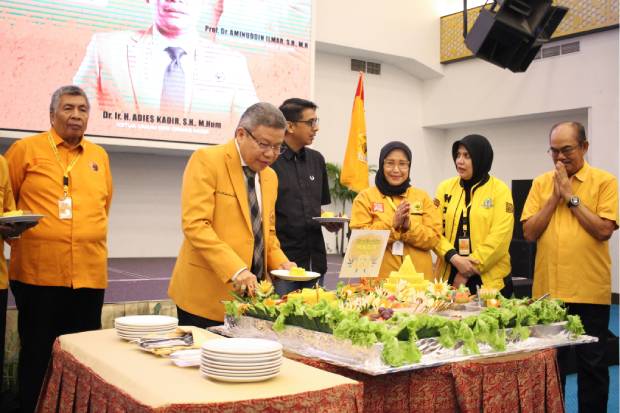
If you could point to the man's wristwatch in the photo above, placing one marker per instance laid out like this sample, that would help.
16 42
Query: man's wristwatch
574 201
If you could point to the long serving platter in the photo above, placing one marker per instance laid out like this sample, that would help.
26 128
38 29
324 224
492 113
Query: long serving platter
326 347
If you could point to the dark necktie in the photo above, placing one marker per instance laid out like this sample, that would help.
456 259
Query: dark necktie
173 89
257 225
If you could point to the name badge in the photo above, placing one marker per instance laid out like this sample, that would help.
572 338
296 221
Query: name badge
65 208
398 248
377 207
464 248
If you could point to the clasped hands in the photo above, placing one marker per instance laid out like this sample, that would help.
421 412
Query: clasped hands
401 216
245 282
465 267
562 190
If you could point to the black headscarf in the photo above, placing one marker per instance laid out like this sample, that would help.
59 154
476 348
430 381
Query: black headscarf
481 154
382 184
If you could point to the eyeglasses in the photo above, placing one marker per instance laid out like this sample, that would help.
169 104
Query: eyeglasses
313 123
264 147
401 165
567 150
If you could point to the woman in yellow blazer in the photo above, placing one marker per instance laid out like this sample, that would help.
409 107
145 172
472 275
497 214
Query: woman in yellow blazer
408 212
478 220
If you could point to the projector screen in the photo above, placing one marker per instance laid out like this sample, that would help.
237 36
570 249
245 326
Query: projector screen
180 71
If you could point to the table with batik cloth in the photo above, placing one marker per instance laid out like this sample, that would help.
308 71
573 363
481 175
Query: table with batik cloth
527 382
98 372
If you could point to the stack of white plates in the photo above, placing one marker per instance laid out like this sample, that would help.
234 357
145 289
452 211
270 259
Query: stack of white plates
241 359
134 327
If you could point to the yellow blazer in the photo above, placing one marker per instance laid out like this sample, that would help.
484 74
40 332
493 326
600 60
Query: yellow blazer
217 228
115 74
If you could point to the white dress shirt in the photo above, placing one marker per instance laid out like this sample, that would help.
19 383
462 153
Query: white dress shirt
258 196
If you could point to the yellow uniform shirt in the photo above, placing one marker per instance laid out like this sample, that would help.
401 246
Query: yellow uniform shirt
372 210
67 252
571 264
8 204
491 221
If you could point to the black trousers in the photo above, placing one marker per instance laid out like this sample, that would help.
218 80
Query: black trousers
189 319
45 313
592 370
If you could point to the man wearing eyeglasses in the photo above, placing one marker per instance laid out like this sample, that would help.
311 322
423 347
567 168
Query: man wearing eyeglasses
228 219
302 189
571 212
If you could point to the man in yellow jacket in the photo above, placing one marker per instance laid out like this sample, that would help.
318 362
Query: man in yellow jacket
228 203
478 219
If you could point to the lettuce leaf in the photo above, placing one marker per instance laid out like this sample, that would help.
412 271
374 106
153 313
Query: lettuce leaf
398 353
574 325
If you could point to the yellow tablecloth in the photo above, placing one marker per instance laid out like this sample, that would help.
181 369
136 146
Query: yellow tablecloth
98 370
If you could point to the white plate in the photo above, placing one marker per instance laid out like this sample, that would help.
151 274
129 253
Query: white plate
237 356
21 218
136 336
240 360
340 220
242 346
237 373
145 320
186 362
142 329
191 353
228 372
239 379
241 357
146 330
239 366
285 275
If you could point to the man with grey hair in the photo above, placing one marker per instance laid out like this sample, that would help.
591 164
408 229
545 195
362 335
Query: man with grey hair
228 219
58 270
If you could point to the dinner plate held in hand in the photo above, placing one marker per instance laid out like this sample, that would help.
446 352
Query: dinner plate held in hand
285 275
20 218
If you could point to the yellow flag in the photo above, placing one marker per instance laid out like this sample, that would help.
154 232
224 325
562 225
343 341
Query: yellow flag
354 173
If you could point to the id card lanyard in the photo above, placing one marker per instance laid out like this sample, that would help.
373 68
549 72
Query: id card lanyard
65 204
464 240
398 247
464 243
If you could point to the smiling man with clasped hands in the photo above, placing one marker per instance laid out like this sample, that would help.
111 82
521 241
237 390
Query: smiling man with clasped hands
228 218
571 212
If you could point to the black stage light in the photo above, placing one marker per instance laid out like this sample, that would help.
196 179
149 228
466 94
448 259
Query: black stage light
511 36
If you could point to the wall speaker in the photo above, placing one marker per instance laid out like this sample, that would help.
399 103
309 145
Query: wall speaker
511 36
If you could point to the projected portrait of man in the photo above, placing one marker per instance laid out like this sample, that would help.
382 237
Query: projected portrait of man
172 67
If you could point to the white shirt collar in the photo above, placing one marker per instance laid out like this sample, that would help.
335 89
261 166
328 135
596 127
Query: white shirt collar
259 195
239 152
187 42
